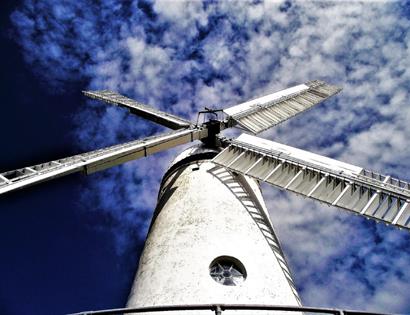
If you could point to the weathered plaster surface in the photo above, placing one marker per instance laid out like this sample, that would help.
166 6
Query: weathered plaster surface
201 218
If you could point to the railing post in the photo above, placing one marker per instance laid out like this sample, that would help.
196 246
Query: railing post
218 310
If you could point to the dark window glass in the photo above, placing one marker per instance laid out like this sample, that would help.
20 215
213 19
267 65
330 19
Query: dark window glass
227 271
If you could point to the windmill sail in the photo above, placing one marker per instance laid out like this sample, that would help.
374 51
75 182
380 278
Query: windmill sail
96 160
145 111
265 112
327 180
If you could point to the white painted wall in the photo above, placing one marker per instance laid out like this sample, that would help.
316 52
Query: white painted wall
201 220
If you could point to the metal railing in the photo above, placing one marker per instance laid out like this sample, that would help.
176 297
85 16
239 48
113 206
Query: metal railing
219 308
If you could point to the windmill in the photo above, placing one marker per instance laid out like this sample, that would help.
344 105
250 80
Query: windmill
211 240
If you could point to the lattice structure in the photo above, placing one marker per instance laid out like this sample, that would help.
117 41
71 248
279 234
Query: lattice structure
145 111
265 112
335 183
96 160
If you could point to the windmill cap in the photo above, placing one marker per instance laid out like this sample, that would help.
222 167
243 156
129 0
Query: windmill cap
196 152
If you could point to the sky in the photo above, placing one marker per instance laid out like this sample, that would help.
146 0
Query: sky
73 244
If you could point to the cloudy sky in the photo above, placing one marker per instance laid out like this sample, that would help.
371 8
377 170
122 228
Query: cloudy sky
73 244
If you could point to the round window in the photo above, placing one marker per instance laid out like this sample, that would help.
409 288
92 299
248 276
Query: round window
227 270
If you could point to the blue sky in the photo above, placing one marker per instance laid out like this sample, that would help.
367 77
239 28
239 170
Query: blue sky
182 56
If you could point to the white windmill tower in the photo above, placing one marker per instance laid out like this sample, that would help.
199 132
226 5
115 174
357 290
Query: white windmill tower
211 243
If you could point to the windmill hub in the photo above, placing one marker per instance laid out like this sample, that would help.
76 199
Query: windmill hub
214 127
